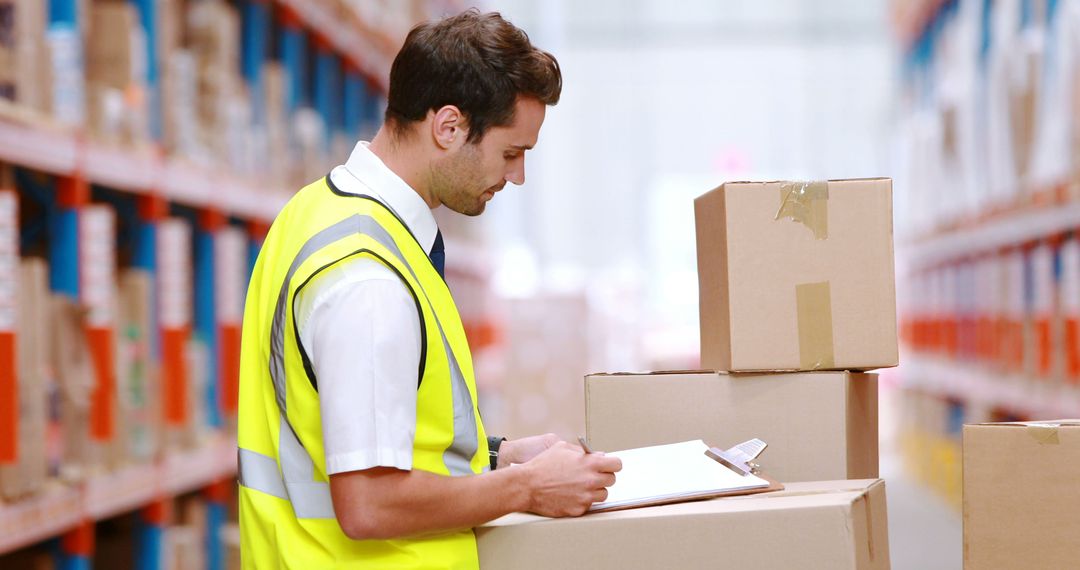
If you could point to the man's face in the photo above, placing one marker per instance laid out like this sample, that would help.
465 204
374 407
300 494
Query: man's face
465 180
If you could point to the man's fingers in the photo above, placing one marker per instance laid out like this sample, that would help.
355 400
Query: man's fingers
600 495
608 464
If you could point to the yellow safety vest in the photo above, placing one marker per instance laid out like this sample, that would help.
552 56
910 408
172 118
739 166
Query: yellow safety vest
286 515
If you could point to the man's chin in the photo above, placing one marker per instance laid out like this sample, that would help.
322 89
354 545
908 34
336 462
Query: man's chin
472 211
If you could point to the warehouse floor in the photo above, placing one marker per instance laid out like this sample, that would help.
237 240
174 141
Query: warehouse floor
925 532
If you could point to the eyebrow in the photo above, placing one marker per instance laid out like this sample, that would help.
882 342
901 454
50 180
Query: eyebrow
520 147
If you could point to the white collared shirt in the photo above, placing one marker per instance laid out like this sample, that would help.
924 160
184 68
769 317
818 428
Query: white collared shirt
359 326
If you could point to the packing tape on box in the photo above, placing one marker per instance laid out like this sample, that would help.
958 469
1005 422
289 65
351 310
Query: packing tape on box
1044 433
814 312
806 203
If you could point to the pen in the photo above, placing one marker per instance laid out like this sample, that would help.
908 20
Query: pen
584 445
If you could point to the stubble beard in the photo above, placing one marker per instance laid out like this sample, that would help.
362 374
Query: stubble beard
453 177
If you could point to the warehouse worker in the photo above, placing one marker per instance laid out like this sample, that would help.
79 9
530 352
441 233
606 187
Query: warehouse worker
360 441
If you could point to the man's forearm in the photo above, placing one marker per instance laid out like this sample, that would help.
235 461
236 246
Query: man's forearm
387 503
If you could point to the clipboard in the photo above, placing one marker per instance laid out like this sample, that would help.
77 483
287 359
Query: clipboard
736 462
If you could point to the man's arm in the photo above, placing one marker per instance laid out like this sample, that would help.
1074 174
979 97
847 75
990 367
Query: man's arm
384 503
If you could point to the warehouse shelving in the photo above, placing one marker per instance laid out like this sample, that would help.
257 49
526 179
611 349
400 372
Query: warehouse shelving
1016 228
990 309
370 50
108 494
147 186
65 153
990 389
45 515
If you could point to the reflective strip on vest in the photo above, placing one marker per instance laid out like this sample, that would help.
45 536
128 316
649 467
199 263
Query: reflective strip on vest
295 482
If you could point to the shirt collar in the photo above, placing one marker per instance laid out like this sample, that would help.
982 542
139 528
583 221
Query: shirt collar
365 173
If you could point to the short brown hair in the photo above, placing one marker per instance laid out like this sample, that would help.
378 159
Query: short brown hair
479 63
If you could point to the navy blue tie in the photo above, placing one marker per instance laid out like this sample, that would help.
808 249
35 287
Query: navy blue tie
438 255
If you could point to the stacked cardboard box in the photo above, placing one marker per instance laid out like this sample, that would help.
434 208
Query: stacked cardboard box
819 425
797 297
834 524
797 276
793 277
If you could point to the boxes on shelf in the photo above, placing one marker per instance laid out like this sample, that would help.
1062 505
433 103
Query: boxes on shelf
832 524
22 52
28 474
182 135
275 122
75 380
182 360
797 276
213 28
64 75
818 425
139 392
113 54
116 68
1021 509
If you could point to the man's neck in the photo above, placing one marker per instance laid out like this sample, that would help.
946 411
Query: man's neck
404 160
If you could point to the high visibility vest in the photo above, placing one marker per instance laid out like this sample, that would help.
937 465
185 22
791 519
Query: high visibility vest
286 515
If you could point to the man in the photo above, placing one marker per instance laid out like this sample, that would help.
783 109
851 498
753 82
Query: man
360 442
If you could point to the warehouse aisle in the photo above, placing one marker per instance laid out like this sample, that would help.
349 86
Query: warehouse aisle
925 531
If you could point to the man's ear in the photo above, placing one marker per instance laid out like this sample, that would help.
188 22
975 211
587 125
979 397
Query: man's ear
448 127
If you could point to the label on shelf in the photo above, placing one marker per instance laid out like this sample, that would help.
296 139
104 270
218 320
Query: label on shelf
230 271
97 264
9 260
174 273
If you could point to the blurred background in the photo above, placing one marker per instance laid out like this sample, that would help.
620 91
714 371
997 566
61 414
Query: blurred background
145 146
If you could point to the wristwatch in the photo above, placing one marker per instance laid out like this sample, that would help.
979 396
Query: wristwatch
494 443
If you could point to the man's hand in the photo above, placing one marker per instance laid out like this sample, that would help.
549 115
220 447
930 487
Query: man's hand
525 449
566 481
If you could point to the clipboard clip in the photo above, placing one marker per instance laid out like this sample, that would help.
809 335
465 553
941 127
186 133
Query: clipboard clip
740 458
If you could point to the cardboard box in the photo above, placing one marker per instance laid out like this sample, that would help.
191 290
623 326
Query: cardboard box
112 55
797 276
138 390
1021 508
74 370
832 524
819 425
28 475
22 52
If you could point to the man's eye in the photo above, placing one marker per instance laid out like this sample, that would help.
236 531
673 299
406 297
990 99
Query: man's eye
511 156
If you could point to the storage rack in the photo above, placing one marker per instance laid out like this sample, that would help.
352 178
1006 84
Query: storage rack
352 64
974 350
